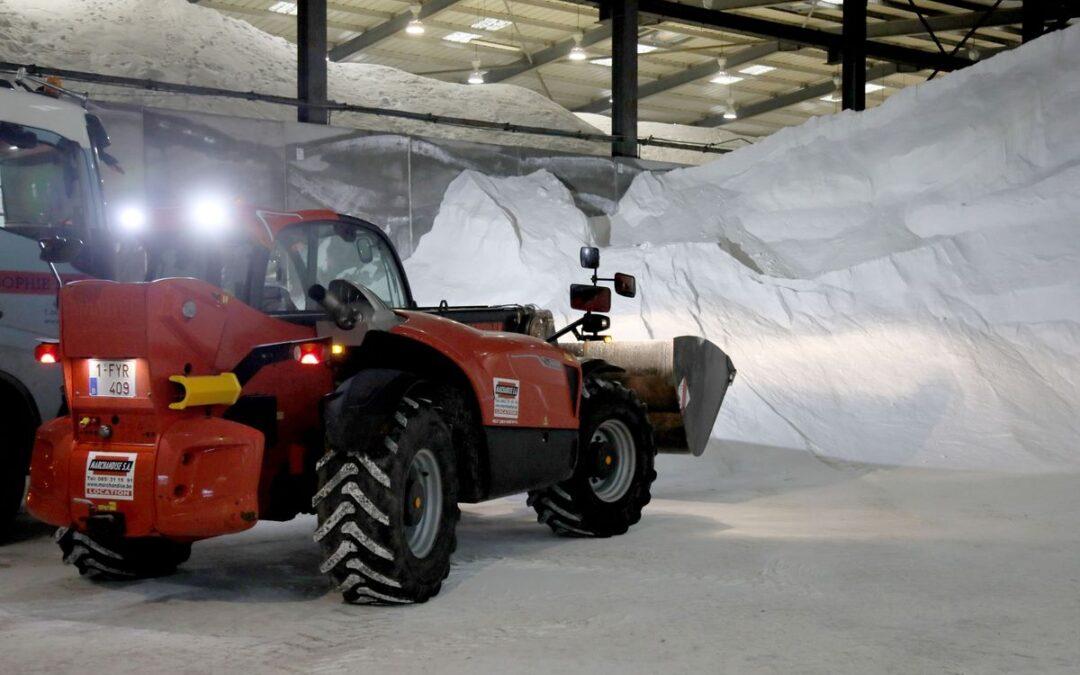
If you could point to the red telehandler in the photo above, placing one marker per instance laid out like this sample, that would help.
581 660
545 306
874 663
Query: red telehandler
275 364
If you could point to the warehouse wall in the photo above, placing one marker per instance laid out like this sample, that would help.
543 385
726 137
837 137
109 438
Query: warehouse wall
171 157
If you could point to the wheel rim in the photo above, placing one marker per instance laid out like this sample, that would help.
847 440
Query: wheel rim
423 503
616 460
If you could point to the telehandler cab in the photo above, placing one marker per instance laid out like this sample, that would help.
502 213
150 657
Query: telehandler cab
275 364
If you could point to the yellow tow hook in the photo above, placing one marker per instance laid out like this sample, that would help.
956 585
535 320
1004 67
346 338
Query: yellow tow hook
221 389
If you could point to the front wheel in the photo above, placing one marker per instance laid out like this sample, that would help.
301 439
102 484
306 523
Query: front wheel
615 467
387 506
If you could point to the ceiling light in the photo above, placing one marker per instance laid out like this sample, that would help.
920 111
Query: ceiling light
730 114
833 2
416 26
490 24
757 70
831 98
870 88
460 37
723 78
578 52
284 8
476 77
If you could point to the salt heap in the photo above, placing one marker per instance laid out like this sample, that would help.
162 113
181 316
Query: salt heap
897 287
178 41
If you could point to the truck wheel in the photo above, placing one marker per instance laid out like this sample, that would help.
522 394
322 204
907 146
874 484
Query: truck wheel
387 507
122 559
12 487
16 452
614 472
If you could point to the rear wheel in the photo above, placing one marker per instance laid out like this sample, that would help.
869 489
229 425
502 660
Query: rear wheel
16 454
387 506
614 472
123 558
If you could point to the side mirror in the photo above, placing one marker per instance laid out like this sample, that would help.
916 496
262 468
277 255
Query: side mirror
625 285
590 257
59 249
363 249
587 298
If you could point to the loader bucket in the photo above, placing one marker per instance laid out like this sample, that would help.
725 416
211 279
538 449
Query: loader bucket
682 381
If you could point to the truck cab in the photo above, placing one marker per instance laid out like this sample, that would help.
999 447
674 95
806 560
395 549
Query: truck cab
49 185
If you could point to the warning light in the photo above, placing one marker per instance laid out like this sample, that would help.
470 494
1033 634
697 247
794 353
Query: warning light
309 353
47 352
337 350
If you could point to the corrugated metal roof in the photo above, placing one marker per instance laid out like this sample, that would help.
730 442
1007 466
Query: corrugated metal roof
537 24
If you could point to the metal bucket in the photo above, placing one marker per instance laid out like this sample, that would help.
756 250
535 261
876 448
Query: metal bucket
683 383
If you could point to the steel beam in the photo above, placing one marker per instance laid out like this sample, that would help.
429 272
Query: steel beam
1034 19
853 54
311 66
811 91
941 23
545 56
624 75
691 74
386 29
788 32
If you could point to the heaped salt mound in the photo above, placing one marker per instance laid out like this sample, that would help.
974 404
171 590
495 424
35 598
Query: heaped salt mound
500 240
954 345
177 41
851 187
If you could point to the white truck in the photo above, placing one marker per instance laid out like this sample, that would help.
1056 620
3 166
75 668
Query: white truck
50 153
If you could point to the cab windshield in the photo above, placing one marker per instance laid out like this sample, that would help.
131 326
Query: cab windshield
44 181
318 253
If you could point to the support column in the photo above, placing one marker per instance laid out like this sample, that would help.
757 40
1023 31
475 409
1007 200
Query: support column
853 86
311 70
1034 15
624 76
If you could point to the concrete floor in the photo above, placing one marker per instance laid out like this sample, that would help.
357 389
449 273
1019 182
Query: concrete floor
751 559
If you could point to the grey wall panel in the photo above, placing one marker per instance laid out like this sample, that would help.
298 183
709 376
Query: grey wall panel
189 155
360 173
397 182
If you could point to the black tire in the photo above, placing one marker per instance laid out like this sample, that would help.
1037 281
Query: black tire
363 518
12 488
121 559
574 507
13 474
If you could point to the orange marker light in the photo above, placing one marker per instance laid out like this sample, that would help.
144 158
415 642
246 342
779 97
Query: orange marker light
47 352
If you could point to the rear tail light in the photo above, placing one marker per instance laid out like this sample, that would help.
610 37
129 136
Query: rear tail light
310 353
47 352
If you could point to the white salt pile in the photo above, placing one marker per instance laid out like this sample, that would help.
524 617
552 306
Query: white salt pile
898 287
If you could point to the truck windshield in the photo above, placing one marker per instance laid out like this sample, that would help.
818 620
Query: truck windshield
318 253
44 180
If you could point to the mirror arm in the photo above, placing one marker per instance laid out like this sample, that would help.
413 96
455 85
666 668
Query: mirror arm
571 328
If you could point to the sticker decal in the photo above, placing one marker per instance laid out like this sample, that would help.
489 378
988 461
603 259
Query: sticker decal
111 475
684 395
507 396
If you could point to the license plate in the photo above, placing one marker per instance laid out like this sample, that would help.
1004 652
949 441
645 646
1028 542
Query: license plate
114 379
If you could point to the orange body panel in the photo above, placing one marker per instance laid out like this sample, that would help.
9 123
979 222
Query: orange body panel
540 370
194 474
